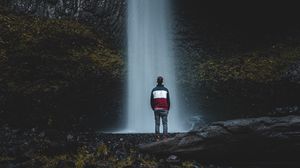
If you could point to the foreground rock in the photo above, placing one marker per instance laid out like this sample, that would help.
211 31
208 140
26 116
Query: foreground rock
259 139
36 148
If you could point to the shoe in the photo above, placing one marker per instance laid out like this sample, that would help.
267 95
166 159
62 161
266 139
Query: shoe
157 137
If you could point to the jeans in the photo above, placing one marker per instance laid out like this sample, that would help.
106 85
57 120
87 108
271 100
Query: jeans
163 114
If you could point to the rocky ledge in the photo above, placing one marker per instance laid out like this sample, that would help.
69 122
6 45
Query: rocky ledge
252 139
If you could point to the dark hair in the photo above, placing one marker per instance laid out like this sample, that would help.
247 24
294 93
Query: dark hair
160 80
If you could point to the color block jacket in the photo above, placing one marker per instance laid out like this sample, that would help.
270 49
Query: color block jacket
160 99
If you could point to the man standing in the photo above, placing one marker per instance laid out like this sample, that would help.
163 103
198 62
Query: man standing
160 103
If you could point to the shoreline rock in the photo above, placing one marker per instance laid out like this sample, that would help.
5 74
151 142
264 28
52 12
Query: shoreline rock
263 138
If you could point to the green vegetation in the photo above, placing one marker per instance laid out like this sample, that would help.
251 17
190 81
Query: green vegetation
85 157
256 66
54 71
245 84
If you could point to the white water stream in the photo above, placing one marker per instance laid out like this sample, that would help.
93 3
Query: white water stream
150 55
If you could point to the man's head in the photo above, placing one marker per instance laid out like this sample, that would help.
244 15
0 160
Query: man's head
160 80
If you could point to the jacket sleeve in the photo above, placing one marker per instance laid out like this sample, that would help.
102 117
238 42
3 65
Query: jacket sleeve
168 99
152 100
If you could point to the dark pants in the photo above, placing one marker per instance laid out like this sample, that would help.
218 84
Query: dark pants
163 114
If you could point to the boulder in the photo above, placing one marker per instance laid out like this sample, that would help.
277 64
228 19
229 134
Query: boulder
264 138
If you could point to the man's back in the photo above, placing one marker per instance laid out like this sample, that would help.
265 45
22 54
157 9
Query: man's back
160 99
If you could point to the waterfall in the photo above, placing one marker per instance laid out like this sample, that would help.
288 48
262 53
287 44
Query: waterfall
150 55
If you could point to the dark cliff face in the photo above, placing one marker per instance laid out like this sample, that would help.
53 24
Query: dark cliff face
234 59
220 28
226 29
56 73
238 59
105 16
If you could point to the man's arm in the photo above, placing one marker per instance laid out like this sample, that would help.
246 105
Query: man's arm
151 100
168 99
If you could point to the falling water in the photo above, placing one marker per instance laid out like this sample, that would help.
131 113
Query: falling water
149 55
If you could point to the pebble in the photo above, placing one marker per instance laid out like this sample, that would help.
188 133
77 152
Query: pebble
70 137
172 159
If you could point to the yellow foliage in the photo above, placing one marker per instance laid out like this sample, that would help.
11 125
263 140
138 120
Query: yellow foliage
102 150
50 162
253 67
75 52
124 163
6 158
82 157
188 164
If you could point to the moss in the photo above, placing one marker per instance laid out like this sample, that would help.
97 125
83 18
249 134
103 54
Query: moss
52 68
188 164
30 41
127 162
149 163
81 158
247 84
105 155
102 150
49 162
256 66
6 158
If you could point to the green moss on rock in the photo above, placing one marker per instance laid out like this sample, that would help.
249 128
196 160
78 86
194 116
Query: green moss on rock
256 66
51 67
